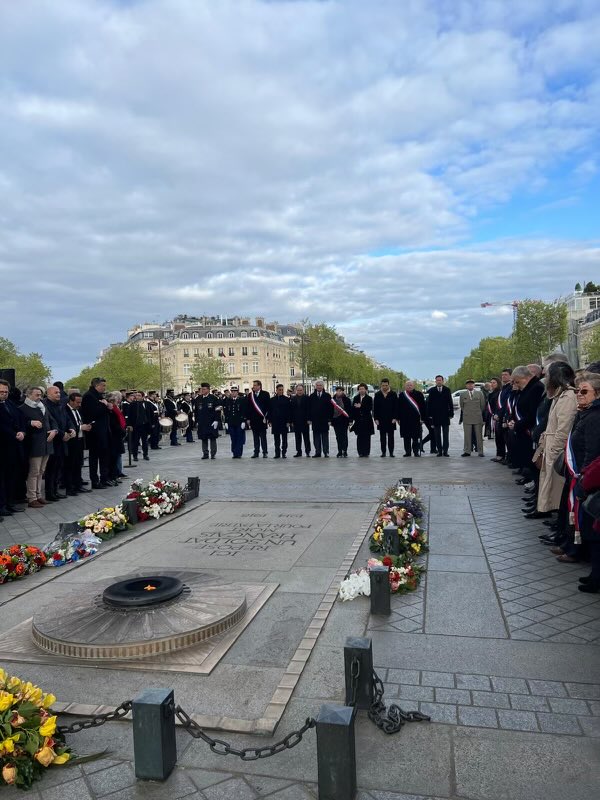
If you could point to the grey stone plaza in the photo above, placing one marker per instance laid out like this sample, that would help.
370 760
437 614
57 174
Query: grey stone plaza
496 645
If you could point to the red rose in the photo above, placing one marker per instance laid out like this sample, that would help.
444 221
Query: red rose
387 561
19 569
57 557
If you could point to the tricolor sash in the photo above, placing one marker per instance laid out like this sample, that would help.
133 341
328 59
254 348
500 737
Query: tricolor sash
413 402
342 411
573 501
492 420
256 406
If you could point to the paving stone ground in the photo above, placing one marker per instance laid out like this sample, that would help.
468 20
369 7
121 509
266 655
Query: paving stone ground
497 645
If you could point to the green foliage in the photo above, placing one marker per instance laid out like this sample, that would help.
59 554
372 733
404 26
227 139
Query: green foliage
578 287
328 355
540 329
591 288
591 346
124 368
207 369
30 369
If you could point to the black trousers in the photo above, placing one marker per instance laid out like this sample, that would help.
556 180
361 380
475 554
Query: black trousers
73 465
139 437
441 438
54 471
363 444
321 442
412 442
387 438
205 445
154 435
341 437
98 461
303 434
281 442
12 467
260 440
500 443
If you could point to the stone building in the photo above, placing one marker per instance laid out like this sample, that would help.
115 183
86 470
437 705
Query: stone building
249 350
581 319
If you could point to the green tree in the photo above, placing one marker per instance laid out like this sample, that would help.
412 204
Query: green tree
591 346
590 288
124 368
30 369
578 287
540 329
207 369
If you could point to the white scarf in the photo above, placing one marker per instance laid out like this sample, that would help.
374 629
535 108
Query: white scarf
35 404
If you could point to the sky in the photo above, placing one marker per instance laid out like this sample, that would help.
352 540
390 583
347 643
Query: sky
382 166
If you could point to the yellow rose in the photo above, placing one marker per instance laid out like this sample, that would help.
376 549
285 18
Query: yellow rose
9 774
3 675
8 745
6 700
49 700
62 759
49 726
12 684
45 756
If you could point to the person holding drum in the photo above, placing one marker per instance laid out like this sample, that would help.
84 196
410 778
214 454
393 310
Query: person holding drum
170 413
185 417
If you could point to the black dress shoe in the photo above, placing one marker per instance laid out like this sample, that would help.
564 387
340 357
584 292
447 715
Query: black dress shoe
585 579
85 483
146 458
14 510
4 512
317 455
254 455
537 515
521 481
50 498
205 457
590 588
83 490
466 455
298 455
392 455
72 493
276 455
265 455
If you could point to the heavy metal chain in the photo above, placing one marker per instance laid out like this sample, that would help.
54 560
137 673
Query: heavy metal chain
392 719
98 719
354 675
222 748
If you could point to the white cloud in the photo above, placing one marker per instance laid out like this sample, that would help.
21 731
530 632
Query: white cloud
167 156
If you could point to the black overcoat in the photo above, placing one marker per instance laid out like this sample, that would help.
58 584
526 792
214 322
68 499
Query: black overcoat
320 411
280 413
385 408
362 416
439 405
408 416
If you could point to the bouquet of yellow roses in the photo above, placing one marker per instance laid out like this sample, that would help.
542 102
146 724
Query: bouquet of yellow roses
29 741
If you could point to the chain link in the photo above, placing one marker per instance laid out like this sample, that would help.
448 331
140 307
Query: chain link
223 748
98 719
392 719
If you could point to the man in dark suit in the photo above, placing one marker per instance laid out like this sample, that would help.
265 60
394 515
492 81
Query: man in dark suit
95 411
279 420
54 473
74 456
411 411
299 418
385 408
440 410
530 390
138 421
320 414
258 408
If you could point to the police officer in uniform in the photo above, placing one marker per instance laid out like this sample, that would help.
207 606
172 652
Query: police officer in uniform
185 407
208 415
234 408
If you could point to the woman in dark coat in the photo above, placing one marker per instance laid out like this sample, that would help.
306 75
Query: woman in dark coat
117 427
362 416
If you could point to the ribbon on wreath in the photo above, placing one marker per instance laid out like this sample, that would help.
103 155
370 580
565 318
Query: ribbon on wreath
573 504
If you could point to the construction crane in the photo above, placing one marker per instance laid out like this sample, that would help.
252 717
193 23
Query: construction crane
514 305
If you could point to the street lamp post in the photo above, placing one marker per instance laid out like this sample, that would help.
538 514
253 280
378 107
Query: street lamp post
274 382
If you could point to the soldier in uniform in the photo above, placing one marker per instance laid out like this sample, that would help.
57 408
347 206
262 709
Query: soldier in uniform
235 421
171 413
185 407
208 415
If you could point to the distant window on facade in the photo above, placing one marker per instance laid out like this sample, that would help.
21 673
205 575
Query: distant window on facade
245 369
255 366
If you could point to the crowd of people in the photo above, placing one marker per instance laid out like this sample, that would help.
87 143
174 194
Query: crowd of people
544 420
546 424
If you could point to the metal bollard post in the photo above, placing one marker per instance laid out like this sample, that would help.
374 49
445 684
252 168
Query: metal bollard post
130 509
391 540
154 745
336 753
193 484
129 465
380 591
361 649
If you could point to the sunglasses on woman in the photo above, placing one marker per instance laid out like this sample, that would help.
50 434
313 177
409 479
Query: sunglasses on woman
582 391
